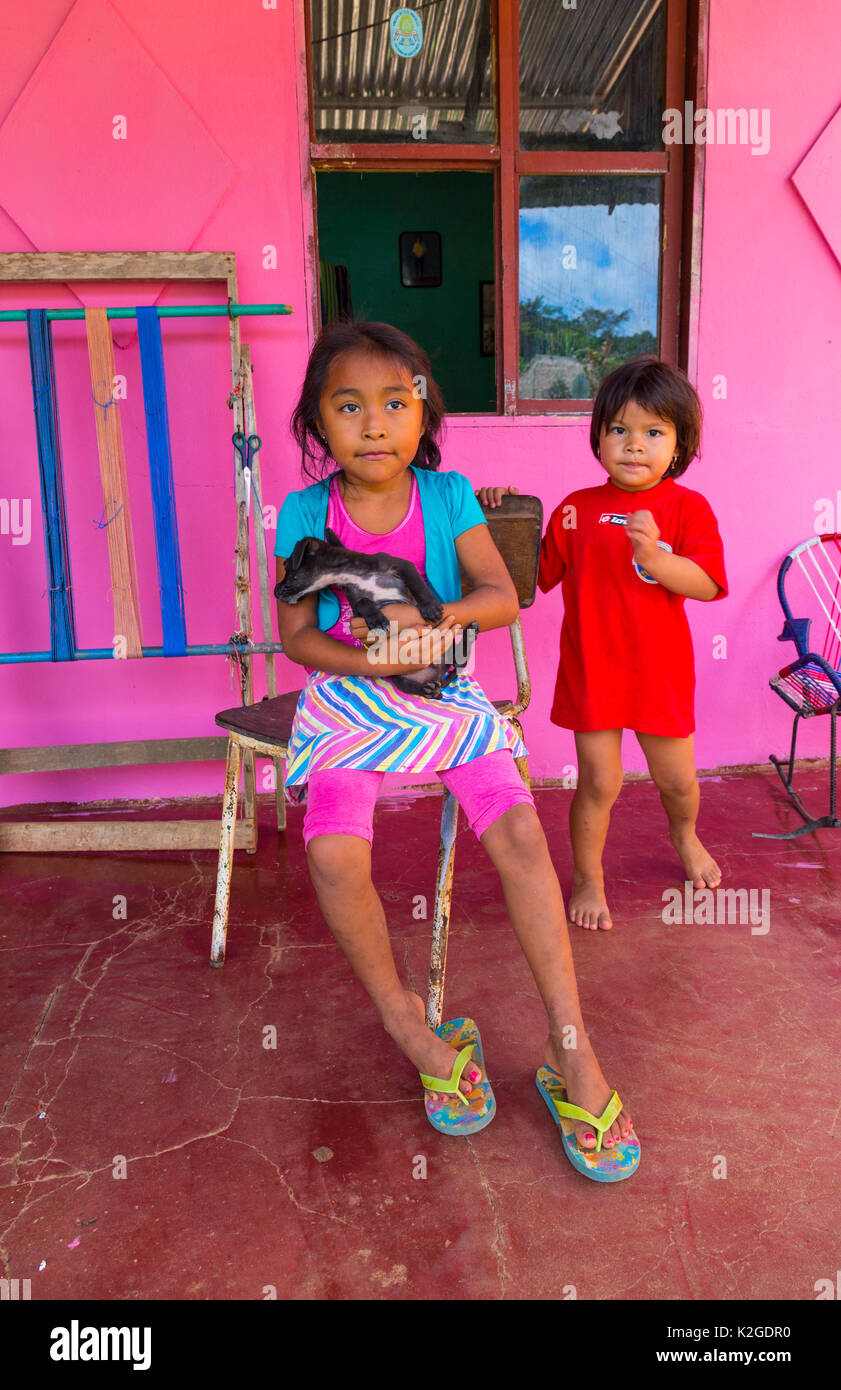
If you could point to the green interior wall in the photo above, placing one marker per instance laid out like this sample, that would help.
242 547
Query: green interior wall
360 217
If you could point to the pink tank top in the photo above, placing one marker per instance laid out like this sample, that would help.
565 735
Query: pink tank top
407 540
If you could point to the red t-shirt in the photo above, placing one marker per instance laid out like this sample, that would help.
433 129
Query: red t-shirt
626 650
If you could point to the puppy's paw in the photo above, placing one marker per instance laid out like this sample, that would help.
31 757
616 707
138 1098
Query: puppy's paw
429 686
431 612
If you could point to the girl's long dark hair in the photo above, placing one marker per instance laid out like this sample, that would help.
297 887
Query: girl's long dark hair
377 338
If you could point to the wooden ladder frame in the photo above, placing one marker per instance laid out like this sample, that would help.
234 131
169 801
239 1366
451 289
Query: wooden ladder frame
59 835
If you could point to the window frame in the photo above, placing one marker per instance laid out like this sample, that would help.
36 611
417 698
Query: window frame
680 213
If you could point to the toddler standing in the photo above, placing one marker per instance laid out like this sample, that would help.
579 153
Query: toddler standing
628 554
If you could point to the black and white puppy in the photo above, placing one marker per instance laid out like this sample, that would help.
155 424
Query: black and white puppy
369 581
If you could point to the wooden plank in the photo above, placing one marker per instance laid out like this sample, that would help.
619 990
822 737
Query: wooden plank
50 837
693 208
117 265
507 296
264 580
306 134
591 162
119 535
555 406
671 226
243 568
406 154
243 574
133 753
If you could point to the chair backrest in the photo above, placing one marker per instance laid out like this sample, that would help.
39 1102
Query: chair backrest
809 589
516 526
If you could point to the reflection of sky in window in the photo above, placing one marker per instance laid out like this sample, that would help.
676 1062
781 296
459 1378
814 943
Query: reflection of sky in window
617 260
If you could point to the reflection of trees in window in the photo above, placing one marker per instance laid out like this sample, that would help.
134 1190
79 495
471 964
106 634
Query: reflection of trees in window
592 339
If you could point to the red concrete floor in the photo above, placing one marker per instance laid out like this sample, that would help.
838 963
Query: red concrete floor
247 1167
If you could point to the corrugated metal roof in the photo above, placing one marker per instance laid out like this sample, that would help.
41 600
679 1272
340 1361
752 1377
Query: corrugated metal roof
573 64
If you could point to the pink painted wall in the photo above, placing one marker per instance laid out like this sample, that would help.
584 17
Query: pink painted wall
213 161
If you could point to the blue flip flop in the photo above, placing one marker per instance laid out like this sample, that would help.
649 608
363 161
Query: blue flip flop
602 1165
452 1112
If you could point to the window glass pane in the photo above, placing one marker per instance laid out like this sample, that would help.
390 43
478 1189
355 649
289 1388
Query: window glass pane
405 75
592 75
377 234
589 279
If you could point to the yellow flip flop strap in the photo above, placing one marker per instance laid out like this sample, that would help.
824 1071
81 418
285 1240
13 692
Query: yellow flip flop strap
575 1112
450 1088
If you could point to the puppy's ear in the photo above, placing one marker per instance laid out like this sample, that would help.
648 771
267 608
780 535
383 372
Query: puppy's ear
297 556
331 536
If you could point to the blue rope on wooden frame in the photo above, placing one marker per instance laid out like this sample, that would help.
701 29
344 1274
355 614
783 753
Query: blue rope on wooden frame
56 542
170 584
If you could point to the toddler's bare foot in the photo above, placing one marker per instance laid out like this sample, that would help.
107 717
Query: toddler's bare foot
429 1053
698 864
588 906
586 1087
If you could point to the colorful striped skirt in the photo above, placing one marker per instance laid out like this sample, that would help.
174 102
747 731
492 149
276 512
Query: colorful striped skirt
366 722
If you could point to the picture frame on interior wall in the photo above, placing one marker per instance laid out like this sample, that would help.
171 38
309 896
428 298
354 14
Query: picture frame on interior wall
420 260
487 318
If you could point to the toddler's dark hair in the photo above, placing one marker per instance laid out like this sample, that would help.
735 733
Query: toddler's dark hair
381 339
657 387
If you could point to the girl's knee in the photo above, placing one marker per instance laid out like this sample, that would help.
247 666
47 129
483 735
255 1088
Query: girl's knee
676 784
599 784
339 860
520 832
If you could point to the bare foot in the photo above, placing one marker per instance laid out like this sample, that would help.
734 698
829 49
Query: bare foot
588 906
698 863
587 1087
429 1053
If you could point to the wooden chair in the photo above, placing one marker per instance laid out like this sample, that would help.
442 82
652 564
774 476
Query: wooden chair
809 584
265 728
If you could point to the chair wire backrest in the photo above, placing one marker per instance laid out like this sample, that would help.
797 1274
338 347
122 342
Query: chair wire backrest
817 563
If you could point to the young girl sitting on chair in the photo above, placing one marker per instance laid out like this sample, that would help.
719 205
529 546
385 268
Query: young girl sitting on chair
628 554
360 411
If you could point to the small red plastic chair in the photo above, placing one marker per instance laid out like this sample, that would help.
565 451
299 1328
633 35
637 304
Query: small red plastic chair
809 583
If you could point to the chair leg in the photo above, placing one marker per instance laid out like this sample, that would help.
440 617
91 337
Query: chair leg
830 822
441 915
832 814
444 896
227 840
280 799
522 762
249 782
778 762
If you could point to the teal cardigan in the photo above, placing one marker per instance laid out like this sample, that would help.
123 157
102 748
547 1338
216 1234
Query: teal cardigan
448 505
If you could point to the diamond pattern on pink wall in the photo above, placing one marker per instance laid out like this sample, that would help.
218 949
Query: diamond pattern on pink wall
817 179
176 172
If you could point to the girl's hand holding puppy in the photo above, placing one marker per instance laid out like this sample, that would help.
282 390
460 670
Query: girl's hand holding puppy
408 620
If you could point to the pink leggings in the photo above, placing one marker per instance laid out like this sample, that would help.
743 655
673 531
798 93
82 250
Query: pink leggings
340 801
